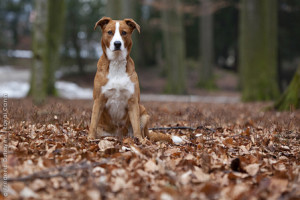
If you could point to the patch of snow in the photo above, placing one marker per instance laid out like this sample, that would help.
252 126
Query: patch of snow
177 140
18 89
14 89
15 83
70 90
8 73
20 53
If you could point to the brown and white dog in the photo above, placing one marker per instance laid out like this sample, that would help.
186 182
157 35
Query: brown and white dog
117 110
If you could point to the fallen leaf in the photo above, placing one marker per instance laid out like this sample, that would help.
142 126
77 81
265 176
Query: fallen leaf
200 175
38 184
150 166
252 169
94 194
105 145
186 177
28 193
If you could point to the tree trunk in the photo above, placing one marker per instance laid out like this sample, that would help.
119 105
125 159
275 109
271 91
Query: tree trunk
291 97
174 47
130 10
37 90
48 29
114 9
258 50
55 27
206 46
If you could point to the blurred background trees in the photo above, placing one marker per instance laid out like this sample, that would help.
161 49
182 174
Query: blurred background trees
183 46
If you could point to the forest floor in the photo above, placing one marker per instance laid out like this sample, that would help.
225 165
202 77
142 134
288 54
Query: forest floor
237 151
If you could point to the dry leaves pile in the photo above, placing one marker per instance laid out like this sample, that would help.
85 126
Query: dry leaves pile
237 152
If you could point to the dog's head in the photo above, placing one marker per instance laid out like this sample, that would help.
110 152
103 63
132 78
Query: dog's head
116 36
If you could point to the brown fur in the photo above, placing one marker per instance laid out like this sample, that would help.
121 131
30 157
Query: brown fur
136 116
101 120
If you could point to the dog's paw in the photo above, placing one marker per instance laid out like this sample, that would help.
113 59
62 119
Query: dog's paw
139 138
91 137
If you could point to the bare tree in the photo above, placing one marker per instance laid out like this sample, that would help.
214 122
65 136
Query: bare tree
258 50
174 46
206 45
37 90
47 35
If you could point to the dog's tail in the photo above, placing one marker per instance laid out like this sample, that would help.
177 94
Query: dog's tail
153 136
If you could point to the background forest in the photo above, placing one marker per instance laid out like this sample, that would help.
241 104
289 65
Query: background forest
213 74
185 47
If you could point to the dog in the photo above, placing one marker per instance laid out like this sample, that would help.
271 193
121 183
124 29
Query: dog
117 110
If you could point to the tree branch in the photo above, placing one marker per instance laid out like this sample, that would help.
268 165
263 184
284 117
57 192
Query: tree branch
62 172
182 128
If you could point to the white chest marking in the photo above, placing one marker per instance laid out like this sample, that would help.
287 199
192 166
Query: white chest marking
117 90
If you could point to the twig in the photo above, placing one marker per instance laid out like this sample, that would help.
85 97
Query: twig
182 128
39 175
62 172
173 128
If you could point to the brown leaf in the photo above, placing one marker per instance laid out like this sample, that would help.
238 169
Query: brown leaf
150 166
105 145
185 178
200 175
228 142
94 194
38 184
252 169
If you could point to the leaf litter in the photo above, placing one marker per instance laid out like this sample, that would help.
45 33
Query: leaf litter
233 152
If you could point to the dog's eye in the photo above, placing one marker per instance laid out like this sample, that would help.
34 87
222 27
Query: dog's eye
123 33
110 32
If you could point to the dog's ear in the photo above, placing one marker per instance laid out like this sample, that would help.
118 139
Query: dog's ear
132 24
102 22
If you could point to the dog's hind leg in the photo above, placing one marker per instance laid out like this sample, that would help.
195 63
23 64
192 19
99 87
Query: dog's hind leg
144 125
144 121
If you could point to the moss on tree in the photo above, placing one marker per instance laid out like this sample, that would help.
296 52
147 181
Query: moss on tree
290 99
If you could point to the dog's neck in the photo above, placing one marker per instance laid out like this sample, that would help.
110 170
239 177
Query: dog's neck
117 67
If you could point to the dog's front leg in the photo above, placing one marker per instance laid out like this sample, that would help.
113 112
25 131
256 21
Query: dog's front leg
96 113
134 116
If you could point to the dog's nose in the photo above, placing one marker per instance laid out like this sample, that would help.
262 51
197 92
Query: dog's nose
117 45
